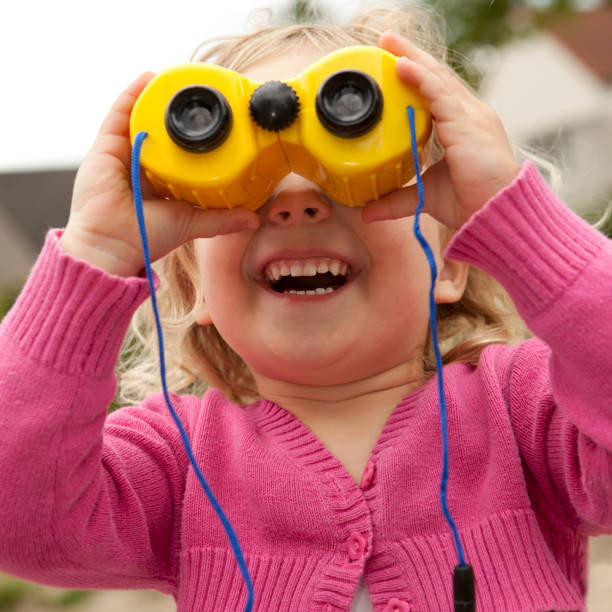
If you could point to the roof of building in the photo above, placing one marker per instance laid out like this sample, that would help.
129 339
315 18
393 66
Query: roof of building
31 202
37 201
588 35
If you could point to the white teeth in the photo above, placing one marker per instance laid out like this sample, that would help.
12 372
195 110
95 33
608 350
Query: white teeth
334 267
318 291
305 267
310 269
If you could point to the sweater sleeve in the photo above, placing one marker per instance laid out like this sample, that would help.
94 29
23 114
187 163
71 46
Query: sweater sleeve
84 502
558 271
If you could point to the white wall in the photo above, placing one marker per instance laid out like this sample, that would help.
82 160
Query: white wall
546 95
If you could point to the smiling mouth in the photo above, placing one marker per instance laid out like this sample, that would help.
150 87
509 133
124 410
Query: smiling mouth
319 284
313 276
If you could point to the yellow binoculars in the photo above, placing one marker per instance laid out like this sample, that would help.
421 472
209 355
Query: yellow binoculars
217 139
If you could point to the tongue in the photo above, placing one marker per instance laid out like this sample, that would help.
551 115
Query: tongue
308 283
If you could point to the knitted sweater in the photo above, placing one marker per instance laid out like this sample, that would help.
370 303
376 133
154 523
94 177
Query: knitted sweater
110 502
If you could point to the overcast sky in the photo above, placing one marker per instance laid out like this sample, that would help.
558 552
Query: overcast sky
65 61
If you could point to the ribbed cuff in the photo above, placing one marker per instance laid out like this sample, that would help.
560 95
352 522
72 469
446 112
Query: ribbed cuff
71 316
529 241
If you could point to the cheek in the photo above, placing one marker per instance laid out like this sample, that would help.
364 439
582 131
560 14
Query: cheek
400 278
397 253
219 264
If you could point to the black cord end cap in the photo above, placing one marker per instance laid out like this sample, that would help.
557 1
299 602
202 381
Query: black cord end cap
463 589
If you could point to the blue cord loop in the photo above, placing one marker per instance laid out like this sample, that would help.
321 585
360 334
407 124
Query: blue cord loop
136 188
434 335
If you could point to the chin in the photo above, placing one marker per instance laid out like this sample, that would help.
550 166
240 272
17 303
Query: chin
305 366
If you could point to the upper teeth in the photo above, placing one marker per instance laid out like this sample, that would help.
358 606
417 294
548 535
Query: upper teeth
305 267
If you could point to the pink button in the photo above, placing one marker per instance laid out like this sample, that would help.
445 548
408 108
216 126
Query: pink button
356 545
397 605
366 479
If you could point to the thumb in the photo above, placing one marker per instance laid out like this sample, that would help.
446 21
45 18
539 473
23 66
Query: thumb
439 198
399 203
206 223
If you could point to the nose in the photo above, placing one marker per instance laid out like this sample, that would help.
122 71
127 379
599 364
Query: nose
297 201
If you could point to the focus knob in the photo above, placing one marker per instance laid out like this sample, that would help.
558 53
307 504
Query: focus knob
274 106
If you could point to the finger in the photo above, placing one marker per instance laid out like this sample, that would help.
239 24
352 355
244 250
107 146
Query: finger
218 221
439 199
117 121
444 104
399 203
402 47
114 134
149 191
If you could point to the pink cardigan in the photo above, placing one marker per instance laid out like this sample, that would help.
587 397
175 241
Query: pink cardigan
109 502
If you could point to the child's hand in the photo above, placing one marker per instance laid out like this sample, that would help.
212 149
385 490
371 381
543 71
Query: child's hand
478 159
102 228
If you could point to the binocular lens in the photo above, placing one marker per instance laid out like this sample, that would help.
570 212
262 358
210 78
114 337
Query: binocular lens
349 103
198 118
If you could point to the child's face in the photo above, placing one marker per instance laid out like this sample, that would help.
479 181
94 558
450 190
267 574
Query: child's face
376 322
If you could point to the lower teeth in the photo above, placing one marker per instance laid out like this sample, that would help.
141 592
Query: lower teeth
318 291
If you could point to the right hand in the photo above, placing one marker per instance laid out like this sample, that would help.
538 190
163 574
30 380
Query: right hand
102 228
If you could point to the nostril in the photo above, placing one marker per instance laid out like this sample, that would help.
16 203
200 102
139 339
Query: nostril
292 208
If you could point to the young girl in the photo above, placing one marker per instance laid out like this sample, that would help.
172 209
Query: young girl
320 434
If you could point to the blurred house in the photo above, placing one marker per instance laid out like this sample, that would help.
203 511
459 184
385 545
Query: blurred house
30 204
554 90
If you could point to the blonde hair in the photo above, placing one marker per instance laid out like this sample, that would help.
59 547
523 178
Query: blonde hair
197 357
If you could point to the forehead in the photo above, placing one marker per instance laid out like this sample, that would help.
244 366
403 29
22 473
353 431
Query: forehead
285 64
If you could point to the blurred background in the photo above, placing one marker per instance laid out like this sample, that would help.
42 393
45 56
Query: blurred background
544 65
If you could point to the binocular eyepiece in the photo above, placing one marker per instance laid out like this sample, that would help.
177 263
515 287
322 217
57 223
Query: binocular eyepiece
198 118
348 103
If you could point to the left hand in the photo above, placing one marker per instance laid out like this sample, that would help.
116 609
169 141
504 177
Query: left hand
478 159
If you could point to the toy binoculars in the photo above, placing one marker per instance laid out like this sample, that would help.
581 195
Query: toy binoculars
217 139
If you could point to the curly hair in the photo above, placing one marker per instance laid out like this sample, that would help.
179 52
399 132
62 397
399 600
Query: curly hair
197 356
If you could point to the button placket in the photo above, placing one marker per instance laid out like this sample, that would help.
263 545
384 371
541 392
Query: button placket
367 475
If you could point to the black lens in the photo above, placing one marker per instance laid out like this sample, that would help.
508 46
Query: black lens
349 103
198 118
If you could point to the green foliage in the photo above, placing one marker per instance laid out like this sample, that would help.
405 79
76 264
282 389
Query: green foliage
480 23
17 594
12 592
69 599
602 219
8 295
302 11
607 227
470 24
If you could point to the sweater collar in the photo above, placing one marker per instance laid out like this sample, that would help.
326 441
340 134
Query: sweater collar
306 449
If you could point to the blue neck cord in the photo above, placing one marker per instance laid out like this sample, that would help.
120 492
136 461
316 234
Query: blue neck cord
147 259
434 335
